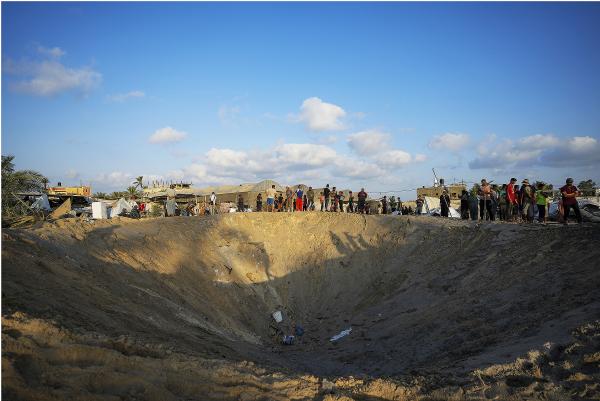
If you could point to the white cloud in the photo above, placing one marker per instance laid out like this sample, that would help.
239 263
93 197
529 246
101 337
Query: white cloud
321 116
539 141
166 135
116 180
121 97
369 142
304 154
356 168
226 158
536 150
55 52
582 144
327 140
453 142
395 158
50 77
420 158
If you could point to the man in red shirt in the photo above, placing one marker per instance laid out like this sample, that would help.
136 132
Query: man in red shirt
569 200
511 200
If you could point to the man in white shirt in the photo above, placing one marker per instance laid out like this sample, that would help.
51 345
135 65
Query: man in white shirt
213 202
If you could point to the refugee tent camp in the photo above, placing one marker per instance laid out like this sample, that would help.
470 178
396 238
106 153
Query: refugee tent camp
225 193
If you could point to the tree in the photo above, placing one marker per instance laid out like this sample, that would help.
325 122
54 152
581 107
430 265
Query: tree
17 181
587 187
139 182
116 195
132 191
100 195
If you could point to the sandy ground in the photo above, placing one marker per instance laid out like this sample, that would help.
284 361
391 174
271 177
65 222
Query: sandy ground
180 309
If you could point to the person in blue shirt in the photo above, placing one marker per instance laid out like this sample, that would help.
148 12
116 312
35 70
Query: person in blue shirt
299 194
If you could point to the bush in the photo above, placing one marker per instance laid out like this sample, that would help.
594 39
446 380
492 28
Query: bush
156 210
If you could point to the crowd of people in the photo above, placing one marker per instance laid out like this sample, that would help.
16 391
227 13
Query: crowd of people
330 199
513 202
486 201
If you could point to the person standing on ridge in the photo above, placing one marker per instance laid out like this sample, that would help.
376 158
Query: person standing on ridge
569 194
502 202
362 198
259 202
271 193
240 203
485 203
444 203
326 193
527 201
288 199
350 207
464 205
299 197
419 205
334 199
310 197
384 205
541 200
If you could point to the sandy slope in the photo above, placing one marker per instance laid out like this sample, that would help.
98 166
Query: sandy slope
180 308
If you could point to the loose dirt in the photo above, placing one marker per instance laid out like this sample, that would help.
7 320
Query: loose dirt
180 309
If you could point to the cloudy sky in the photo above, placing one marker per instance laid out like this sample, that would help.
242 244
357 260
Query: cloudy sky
351 94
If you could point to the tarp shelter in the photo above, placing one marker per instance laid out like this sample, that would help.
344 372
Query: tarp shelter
432 207
430 203
590 210
41 203
120 206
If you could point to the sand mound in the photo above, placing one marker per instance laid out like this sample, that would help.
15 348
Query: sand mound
180 308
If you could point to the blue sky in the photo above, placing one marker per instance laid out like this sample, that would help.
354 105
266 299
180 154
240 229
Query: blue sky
351 94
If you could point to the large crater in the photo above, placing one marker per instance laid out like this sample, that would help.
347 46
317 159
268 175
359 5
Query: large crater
424 296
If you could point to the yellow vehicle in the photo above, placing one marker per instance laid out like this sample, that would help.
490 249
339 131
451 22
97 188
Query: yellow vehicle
70 191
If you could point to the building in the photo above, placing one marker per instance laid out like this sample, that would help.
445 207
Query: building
454 190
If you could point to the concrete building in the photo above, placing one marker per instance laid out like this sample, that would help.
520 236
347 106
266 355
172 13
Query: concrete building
454 190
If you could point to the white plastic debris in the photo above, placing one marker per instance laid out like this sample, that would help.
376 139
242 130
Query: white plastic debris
278 316
343 333
99 210
41 203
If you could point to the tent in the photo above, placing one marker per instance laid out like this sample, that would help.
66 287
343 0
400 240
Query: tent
120 206
431 206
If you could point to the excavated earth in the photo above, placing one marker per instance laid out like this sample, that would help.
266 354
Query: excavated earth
180 309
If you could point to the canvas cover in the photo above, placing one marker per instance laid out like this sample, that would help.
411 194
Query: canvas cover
120 206
41 203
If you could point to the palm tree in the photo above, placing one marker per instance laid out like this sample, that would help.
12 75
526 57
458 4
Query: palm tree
132 191
139 182
100 195
17 181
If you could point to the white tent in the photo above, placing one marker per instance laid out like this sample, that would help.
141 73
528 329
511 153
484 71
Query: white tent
120 206
432 207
